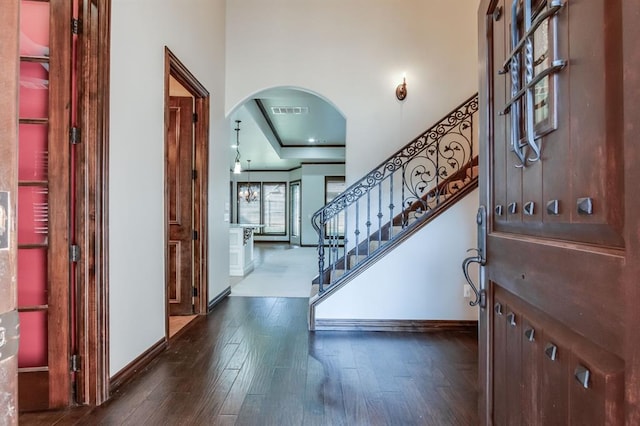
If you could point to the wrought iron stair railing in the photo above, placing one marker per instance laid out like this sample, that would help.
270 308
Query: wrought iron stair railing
409 188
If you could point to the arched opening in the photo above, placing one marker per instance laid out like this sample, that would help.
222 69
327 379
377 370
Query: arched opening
288 142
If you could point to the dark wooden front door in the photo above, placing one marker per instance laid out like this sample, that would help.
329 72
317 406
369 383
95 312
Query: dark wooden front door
558 163
179 167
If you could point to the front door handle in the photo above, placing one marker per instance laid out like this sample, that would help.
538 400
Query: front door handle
480 258
465 270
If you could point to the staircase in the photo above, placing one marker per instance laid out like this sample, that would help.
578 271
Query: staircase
397 198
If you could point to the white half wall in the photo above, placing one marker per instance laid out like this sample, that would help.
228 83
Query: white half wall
420 280
195 32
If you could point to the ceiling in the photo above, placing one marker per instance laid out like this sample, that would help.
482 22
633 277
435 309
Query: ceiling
282 128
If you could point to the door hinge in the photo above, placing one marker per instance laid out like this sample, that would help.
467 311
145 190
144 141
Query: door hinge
75 363
194 174
194 236
74 253
74 135
76 26
195 117
195 291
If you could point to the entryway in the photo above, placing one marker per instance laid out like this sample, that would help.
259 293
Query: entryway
186 166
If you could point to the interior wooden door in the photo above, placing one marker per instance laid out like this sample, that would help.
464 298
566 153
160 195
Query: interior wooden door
44 205
179 167
554 343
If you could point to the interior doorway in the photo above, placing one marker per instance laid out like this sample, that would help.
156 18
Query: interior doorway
186 171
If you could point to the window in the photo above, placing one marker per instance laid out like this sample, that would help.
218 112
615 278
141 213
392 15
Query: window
543 91
274 208
249 206
263 203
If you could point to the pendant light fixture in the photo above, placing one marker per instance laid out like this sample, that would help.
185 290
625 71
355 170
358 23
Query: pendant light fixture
249 194
237 168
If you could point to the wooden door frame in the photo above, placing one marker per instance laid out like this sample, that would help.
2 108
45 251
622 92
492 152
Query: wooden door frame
485 389
173 67
92 203
9 77
631 269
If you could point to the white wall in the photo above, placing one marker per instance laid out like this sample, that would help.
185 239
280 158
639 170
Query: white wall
195 31
353 53
432 258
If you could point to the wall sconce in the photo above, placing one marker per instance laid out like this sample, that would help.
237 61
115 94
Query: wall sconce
401 90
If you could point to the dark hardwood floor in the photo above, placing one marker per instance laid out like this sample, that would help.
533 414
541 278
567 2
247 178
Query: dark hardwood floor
253 362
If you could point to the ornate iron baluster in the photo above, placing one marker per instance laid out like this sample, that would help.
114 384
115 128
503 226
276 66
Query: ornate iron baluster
368 223
345 241
405 213
391 206
321 236
357 230
380 215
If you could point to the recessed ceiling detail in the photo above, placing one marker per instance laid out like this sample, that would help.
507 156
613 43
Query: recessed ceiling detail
285 127
289 110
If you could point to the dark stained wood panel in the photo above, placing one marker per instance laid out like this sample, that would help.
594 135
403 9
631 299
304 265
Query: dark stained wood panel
500 87
581 158
179 206
174 256
38 384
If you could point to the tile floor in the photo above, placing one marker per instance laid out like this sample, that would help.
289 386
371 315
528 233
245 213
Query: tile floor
281 270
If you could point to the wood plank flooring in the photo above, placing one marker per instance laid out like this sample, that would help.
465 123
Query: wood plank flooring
253 362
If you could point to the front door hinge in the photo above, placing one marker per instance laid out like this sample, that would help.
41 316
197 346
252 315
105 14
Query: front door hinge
74 253
74 135
194 174
195 117
76 26
194 236
75 363
195 291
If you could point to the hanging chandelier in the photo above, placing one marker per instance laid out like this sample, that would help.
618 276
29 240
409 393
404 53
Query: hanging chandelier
249 194
237 168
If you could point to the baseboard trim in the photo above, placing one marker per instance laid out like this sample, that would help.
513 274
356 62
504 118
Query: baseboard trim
135 366
394 325
219 298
